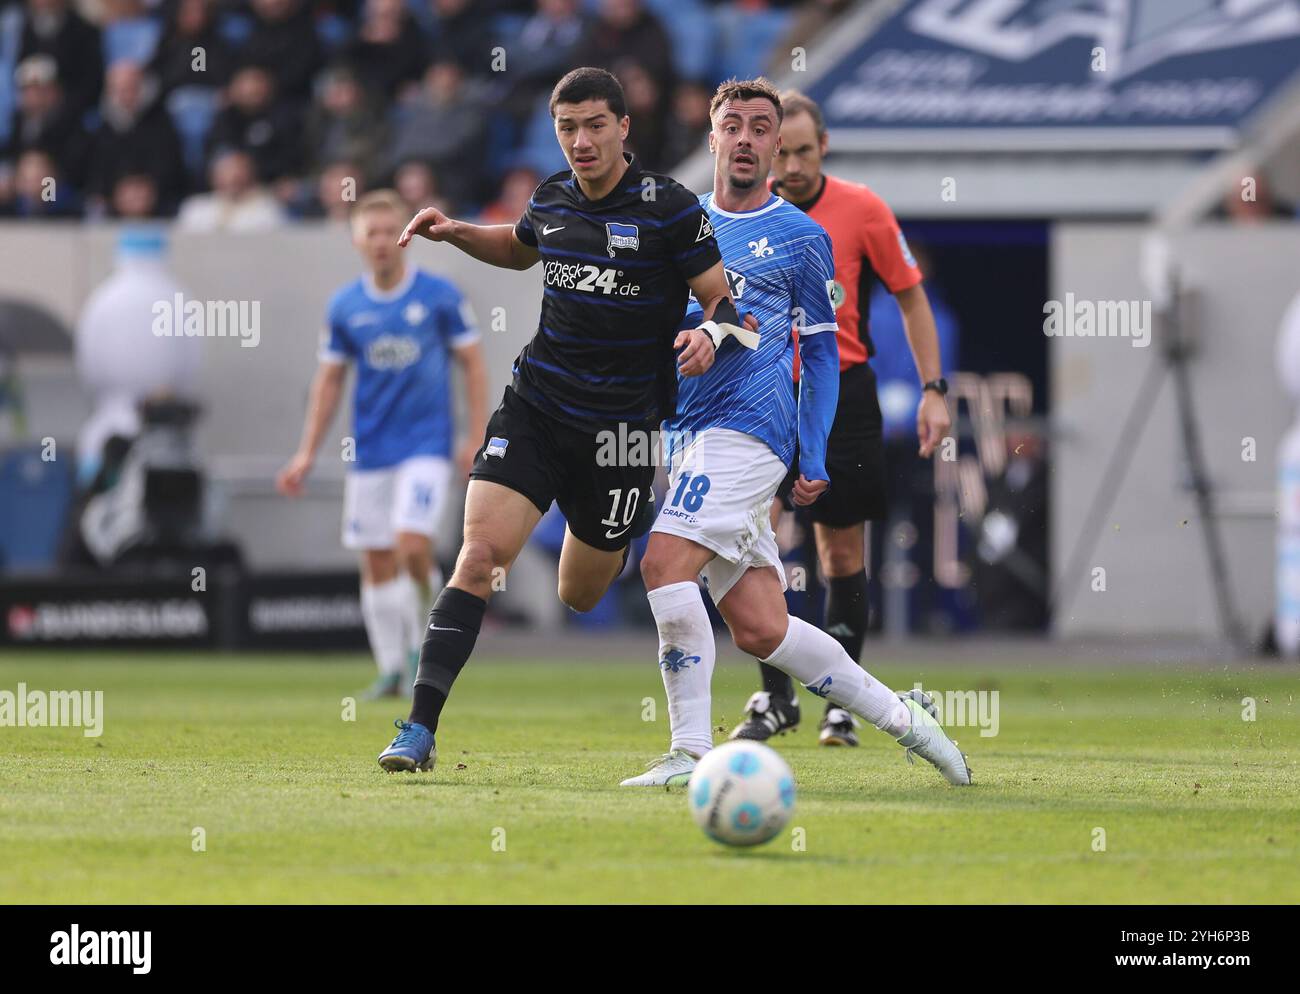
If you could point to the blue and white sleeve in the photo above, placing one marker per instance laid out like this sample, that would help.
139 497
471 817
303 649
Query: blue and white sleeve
819 356
334 344
459 324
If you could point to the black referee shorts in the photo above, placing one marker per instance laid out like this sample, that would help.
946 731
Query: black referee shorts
547 460
855 457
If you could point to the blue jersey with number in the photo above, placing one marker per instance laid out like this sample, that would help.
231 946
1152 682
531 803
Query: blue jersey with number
400 342
780 269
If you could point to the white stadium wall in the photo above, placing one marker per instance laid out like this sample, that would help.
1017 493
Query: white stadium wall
254 398
1150 545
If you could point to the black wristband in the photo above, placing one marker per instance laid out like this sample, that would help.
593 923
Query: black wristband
725 312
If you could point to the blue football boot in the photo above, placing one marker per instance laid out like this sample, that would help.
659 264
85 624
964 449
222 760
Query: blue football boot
411 750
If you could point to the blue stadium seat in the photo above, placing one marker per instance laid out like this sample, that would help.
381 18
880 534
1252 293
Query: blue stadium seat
748 38
135 40
236 28
334 33
501 141
11 37
693 31
540 149
509 26
36 495
192 109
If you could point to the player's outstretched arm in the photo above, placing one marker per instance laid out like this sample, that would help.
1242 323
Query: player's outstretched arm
819 394
819 357
932 418
326 388
494 244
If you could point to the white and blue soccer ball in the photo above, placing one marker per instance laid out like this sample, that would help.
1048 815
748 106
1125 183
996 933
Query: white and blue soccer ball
741 793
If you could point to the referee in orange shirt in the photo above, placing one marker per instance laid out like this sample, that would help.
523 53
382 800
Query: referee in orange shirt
868 245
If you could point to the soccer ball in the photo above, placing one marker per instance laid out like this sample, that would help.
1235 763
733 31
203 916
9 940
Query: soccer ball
741 793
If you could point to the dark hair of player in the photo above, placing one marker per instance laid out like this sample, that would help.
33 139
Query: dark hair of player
746 89
590 83
795 102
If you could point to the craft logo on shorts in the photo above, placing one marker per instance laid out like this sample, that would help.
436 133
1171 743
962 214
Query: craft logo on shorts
622 236
496 447
392 352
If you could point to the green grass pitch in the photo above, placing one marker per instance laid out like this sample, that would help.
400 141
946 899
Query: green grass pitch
1197 804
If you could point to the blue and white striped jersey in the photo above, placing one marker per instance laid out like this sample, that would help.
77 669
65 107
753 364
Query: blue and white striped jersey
780 269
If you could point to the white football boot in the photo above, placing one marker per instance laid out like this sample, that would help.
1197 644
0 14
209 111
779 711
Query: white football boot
672 769
927 739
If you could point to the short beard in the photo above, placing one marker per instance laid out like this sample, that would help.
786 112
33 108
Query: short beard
742 184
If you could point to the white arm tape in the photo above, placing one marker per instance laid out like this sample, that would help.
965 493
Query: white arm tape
718 332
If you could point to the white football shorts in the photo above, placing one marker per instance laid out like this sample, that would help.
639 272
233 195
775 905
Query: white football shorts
407 497
720 490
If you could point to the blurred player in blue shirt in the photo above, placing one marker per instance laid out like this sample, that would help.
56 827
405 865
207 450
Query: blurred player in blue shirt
400 326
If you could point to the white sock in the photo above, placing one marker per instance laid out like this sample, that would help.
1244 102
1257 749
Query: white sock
686 654
421 603
820 663
386 609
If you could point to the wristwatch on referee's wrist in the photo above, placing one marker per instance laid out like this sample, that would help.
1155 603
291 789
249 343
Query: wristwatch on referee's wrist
939 386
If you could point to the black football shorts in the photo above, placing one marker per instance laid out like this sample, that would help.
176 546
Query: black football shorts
855 457
527 450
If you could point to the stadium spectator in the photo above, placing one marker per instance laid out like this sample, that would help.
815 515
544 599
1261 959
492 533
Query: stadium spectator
237 202
129 32
648 131
547 47
418 186
53 28
38 191
516 190
192 51
389 52
626 32
284 42
444 125
135 197
464 34
418 92
44 119
135 135
255 121
343 124
338 188
688 126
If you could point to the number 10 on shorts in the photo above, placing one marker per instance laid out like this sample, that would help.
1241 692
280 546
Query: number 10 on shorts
629 508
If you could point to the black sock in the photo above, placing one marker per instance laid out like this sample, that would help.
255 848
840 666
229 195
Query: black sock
846 612
453 629
777 682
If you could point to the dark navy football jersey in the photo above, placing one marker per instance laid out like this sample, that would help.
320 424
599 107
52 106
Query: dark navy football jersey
614 278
